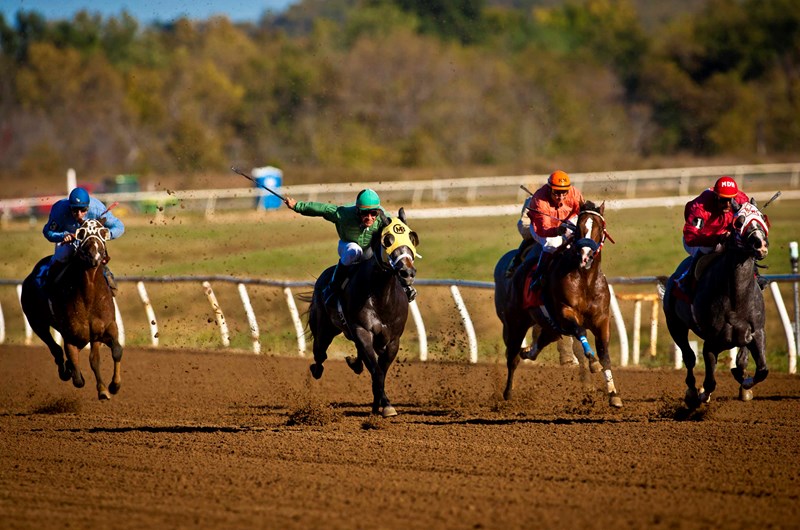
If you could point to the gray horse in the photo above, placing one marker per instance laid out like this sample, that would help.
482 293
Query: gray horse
727 309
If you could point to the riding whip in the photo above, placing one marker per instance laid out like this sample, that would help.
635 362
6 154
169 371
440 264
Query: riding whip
113 205
526 189
248 177
777 194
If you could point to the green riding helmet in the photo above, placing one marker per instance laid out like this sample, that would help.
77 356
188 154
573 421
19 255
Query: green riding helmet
367 200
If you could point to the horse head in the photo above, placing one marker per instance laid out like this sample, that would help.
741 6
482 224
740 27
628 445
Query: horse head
590 233
91 240
399 248
751 228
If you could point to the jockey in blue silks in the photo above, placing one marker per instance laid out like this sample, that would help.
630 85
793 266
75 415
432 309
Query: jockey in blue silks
66 216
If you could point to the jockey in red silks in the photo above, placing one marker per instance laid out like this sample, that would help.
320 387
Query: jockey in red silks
708 223
556 201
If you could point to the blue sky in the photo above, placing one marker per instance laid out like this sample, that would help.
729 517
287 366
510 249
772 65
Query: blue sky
147 10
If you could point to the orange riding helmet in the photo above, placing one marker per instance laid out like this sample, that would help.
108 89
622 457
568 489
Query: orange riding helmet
559 180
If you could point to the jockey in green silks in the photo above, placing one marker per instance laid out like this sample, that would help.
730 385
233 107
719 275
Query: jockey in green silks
355 224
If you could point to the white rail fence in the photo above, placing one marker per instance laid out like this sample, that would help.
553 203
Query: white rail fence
454 286
490 189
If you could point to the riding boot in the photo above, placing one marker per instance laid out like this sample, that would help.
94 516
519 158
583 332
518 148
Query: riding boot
517 260
112 283
330 293
52 275
684 281
538 273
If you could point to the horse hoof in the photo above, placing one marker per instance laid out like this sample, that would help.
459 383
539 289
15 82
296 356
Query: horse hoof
316 370
114 387
64 374
388 411
745 394
705 397
691 399
77 380
615 401
355 364
595 367
103 395
525 353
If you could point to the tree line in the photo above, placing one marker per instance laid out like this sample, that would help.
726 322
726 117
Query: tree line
365 84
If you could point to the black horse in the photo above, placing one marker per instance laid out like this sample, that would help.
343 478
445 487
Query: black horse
727 309
576 298
80 307
375 307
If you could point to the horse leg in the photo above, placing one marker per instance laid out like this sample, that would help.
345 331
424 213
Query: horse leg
680 335
601 338
366 352
324 332
512 337
579 332
94 362
43 332
384 362
116 355
72 364
710 381
757 347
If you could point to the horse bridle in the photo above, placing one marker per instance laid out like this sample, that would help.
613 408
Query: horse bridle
587 242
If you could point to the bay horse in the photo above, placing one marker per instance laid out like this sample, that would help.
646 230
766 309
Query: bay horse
727 309
375 307
80 307
576 296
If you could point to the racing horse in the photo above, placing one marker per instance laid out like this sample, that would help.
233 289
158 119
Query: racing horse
576 296
80 307
727 309
375 307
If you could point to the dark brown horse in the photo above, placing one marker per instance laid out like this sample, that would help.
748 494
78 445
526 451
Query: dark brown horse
576 298
375 307
727 310
80 307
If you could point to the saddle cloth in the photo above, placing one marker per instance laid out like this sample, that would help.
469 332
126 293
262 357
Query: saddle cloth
531 297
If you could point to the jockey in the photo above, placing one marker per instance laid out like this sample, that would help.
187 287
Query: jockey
556 201
524 228
66 216
355 225
708 220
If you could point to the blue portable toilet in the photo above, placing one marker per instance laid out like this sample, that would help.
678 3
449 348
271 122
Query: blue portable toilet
272 178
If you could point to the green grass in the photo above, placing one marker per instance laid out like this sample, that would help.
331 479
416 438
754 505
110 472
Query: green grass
281 245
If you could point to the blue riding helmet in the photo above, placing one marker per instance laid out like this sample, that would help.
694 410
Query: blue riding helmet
79 198
367 200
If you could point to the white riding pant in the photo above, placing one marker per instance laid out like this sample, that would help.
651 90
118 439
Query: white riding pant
350 253
697 251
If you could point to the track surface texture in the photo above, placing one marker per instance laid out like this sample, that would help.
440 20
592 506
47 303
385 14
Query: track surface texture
225 440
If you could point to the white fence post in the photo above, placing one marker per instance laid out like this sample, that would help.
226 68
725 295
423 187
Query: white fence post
623 334
251 318
298 324
423 338
28 329
120 325
2 326
223 326
637 333
462 309
787 326
151 316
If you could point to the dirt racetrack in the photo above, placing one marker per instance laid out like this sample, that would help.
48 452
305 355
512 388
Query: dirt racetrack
222 440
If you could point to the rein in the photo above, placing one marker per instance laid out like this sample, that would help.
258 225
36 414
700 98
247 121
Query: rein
590 243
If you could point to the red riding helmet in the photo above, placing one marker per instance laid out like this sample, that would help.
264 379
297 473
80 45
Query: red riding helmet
726 188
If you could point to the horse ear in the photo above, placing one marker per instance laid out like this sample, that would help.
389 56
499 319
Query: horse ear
753 201
402 215
102 221
414 238
602 207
